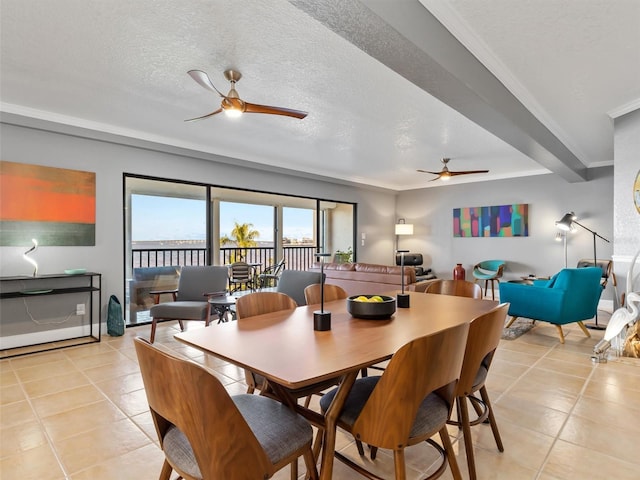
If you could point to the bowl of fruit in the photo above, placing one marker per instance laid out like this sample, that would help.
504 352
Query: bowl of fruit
371 307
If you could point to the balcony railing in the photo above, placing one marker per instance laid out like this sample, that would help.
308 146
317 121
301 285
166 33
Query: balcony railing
296 257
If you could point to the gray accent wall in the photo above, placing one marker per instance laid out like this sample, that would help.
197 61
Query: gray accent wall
549 198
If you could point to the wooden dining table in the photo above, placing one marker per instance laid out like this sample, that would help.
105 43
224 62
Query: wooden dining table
285 349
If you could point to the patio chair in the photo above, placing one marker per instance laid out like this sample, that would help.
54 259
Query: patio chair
240 275
270 275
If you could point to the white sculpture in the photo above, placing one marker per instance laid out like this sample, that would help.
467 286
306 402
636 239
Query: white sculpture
621 319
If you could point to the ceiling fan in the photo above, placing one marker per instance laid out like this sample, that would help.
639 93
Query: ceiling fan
232 105
445 174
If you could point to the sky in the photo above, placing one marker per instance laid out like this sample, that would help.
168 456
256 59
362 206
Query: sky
164 218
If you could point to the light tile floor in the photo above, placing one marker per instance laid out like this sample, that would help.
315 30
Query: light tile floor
81 413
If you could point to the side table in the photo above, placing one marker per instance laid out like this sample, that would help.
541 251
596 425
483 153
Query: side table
222 305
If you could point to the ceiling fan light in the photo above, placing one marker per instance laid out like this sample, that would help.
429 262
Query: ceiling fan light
232 112
445 177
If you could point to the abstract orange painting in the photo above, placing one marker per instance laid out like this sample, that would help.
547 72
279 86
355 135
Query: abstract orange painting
55 206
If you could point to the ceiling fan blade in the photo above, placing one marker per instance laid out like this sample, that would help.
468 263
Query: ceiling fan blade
204 116
427 171
203 79
287 112
467 172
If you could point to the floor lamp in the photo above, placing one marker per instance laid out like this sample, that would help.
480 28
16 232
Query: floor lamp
566 223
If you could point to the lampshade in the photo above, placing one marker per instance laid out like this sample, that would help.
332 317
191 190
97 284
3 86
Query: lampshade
403 228
566 222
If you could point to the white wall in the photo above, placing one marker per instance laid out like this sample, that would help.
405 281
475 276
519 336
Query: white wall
109 160
626 223
549 198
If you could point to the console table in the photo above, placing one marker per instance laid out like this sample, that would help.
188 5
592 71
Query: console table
47 312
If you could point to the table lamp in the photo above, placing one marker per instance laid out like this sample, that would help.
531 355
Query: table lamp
402 299
321 319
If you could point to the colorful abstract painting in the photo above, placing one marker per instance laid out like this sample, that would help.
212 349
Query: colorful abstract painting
497 221
55 206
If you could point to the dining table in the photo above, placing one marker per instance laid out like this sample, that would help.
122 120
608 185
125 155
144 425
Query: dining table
284 347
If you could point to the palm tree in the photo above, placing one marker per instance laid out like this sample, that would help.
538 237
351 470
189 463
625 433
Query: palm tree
243 235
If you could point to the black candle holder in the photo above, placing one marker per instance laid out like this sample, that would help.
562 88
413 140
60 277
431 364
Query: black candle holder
402 299
322 319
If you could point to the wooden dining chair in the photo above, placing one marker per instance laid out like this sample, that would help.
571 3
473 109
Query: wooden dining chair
259 303
458 288
206 434
331 292
409 403
482 342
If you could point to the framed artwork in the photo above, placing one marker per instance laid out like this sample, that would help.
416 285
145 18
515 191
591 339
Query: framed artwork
636 192
55 206
496 221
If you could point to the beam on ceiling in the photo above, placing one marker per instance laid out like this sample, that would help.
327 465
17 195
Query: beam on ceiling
407 38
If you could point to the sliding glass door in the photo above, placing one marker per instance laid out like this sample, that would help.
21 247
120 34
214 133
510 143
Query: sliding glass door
169 224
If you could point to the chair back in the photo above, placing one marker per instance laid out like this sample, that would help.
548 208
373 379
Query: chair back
240 271
605 265
496 266
484 336
259 303
196 281
583 289
293 283
458 288
182 393
331 292
276 269
428 364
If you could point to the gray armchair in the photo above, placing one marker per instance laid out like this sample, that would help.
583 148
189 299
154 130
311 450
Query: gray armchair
293 283
191 299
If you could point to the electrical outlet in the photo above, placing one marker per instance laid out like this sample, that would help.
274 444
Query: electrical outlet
80 309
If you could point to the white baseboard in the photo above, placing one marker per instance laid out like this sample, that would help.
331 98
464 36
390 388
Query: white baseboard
36 338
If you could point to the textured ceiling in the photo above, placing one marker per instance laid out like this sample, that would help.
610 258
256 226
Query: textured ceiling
120 67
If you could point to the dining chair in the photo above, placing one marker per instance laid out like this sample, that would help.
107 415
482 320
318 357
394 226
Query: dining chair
293 283
482 342
409 403
331 292
259 303
191 299
458 288
269 276
240 275
206 434
489 271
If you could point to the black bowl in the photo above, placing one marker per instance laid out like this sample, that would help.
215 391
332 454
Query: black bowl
371 310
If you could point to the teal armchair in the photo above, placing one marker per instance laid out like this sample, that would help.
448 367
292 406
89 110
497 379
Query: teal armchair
572 295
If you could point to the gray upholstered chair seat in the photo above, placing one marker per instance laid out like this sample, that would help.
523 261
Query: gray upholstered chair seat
185 310
432 413
279 430
481 376
179 452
